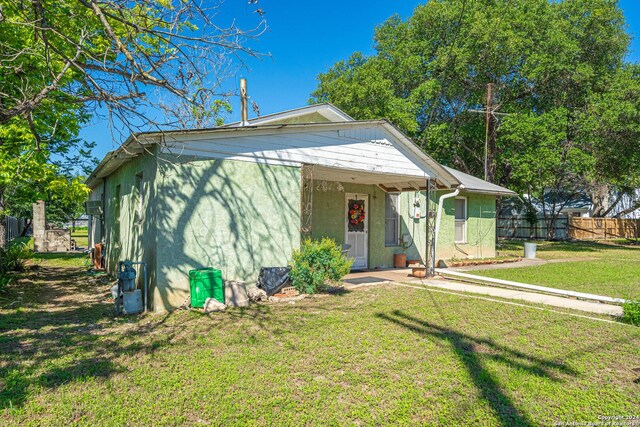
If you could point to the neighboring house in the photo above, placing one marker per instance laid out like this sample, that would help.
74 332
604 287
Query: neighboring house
627 207
579 205
569 204
239 198
81 221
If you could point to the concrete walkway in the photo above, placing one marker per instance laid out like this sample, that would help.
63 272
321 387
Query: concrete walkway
518 264
532 297
403 275
525 287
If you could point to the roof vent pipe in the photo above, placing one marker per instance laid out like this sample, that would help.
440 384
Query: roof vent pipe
244 120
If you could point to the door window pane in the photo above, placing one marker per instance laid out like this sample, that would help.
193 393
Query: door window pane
356 215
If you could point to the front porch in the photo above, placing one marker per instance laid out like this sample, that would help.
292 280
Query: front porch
374 215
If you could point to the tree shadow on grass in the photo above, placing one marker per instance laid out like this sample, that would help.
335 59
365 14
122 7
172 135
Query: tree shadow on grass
469 351
62 332
41 350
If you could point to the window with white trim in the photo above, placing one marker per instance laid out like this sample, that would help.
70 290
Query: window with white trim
460 233
391 219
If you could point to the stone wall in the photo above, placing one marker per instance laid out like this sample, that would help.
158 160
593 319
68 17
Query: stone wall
57 240
39 226
48 240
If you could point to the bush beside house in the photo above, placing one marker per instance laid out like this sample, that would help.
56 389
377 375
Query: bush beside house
316 263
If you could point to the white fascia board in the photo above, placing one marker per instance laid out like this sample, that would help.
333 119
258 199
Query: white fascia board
331 112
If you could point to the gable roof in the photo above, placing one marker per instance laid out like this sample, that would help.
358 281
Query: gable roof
323 117
284 144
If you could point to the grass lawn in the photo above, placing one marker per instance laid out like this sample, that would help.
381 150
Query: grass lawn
598 268
381 355
81 237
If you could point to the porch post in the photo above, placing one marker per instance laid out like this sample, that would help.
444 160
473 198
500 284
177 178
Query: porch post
430 232
306 201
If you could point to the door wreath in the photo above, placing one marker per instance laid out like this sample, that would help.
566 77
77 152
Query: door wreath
356 215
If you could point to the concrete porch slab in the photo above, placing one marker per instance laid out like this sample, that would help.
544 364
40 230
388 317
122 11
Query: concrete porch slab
372 277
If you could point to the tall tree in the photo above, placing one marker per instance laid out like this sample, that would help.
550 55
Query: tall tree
146 64
126 57
29 173
555 63
611 125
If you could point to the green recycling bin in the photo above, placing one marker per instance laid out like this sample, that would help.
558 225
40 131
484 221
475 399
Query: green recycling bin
205 283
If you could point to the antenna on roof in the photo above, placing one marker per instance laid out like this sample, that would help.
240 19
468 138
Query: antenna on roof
244 119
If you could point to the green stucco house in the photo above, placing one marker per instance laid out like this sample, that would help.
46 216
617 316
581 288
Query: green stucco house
242 196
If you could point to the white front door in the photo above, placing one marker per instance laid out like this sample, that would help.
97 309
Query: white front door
357 229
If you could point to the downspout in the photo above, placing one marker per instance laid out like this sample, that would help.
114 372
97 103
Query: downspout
103 229
438 218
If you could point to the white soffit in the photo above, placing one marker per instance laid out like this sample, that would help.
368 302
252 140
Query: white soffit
387 181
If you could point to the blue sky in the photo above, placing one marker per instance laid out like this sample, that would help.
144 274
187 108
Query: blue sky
306 38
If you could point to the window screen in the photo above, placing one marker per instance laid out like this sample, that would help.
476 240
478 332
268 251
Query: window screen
391 219
461 208
460 235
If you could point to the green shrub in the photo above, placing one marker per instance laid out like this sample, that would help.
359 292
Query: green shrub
316 263
5 279
12 259
631 312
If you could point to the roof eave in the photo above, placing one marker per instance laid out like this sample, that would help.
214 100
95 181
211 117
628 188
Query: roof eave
494 193
442 174
94 178
292 113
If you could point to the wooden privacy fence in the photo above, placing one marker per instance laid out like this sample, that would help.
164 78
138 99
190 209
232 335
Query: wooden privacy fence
517 227
602 228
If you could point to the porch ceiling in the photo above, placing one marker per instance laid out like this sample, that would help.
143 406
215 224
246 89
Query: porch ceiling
386 181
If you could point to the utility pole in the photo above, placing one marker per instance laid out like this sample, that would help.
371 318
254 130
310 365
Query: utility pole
486 132
489 132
